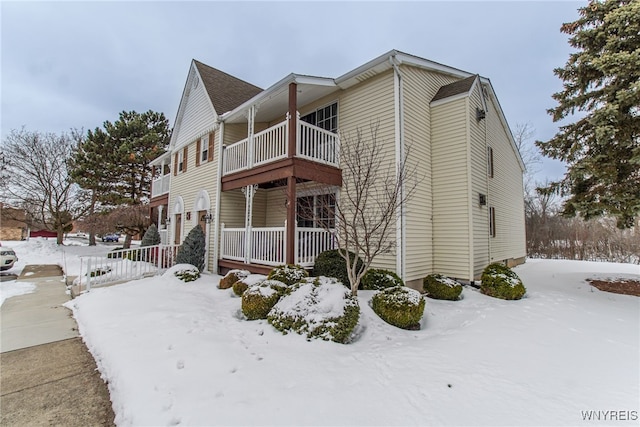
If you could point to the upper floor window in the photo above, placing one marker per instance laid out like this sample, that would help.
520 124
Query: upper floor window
204 147
325 117
180 161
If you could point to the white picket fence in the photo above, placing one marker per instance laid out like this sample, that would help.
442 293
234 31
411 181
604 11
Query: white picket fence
124 264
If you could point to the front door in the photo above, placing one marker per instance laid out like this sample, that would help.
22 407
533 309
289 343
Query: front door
178 229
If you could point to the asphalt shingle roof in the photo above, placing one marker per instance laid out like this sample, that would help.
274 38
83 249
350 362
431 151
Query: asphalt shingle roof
455 88
225 91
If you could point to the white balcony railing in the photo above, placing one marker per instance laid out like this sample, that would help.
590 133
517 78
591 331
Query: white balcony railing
160 186
267 245
271 144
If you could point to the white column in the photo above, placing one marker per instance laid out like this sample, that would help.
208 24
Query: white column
249 192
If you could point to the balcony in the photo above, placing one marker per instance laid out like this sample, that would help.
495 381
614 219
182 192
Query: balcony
271 145
160 186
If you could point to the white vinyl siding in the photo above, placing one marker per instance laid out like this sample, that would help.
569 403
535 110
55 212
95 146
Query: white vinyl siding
420 86
360 107
198 115
505 192
451 222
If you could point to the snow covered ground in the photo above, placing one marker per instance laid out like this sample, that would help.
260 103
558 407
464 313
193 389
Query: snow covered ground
177 353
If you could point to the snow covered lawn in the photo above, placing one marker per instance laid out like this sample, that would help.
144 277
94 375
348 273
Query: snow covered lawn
181 353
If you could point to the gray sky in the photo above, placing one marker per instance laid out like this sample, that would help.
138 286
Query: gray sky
76 64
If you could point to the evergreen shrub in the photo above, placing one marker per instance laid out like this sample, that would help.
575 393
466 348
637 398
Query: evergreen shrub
239 287
288 274
376 279
331 264
187 274
399 306
499 281
438 286
258 300
193 249
232 277
317 308
151 236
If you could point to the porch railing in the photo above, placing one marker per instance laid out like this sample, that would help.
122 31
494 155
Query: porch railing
267 245
271 144
160 186
124 265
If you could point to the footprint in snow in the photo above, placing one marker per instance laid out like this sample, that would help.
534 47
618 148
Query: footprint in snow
180 364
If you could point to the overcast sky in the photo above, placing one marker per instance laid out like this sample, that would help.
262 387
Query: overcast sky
76 64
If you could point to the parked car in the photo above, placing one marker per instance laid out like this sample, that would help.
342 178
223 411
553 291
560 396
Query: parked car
7 258
110 237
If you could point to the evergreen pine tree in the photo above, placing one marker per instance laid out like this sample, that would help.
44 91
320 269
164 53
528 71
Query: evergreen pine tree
192 250
601 79
151 236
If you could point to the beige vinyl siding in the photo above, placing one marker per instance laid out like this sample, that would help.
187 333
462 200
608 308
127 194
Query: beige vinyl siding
234 132
420 86
451 222
198 116
505 192
479 184
370 103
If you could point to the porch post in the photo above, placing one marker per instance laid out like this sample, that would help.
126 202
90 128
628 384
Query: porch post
248 191
290 231
250 125
293 125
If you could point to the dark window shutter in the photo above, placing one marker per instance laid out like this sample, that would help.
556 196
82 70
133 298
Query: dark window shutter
198 143
175 164
184 160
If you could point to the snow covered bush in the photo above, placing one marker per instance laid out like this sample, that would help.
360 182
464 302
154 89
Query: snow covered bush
500 281
438 286
185 272
288 274
317 308
232 277
331 264
376 279
399 306
151 236
258 300
239 287
193 248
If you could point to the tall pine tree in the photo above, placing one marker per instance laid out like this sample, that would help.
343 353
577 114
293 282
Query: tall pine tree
601 81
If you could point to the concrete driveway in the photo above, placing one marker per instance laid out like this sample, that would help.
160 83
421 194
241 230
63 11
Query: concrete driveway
48 377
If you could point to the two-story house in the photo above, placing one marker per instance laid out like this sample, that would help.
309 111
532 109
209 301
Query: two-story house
239 155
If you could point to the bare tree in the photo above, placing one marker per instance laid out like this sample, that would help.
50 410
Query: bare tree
375 190
35 177
131 220
530 154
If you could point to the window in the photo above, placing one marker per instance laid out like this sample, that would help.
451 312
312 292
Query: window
492 221
181 161
203 150
325 117
316 211
490 162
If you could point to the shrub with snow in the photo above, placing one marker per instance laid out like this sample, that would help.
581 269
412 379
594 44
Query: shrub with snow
193 248
151 236
317 308
399 306
243 284
438 286
288 274
184 272
258 300
232 277
376 279
500 281
331 264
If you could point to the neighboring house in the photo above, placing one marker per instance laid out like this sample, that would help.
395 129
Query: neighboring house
13 224
239 153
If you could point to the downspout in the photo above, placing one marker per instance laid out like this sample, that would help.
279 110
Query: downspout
399 142
216 214
486 153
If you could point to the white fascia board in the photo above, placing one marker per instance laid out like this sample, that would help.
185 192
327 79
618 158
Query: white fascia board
504 122
180 112
416 61
159 160
345 80
449 99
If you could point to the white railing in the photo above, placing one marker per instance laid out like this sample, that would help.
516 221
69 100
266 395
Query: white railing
271 144
318 144
160 186
235 157
268 245
310 243
124 265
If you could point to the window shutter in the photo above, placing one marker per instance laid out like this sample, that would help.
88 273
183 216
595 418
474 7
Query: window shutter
198 151
184 160
175 164
210 152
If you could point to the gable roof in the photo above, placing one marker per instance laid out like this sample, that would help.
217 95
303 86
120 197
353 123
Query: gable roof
455 88
225 91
